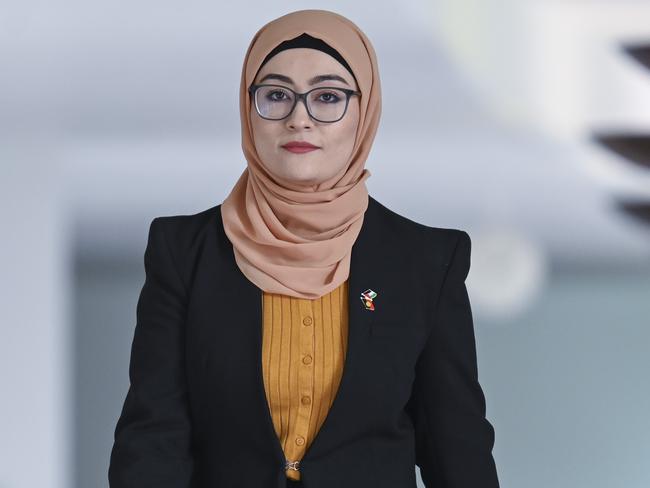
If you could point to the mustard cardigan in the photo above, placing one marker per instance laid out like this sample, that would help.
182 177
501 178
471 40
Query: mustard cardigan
303 352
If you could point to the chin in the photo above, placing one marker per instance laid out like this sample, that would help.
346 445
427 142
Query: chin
304 179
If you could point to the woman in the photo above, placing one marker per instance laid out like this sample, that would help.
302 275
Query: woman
301 333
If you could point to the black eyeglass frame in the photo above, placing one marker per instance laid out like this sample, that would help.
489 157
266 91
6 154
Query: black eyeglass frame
303 96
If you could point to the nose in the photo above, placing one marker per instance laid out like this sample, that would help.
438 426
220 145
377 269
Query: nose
299 118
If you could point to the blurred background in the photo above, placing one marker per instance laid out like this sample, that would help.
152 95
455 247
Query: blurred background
525 123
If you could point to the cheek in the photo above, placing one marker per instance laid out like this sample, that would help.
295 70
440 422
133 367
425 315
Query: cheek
352 116
261 132
346 131
255 123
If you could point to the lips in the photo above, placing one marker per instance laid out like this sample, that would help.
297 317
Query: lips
299 146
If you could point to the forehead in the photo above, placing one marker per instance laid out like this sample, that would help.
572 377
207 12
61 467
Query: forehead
303 63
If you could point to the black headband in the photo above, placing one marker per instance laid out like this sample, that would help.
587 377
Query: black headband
305 40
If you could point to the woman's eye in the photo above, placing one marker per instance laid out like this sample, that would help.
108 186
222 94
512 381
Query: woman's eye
328 97
276 96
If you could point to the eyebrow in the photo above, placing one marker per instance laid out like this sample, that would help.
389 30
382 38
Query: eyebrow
312 81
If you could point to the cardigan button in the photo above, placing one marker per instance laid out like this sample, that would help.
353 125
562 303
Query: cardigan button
307 359
300 440
305 400
307 320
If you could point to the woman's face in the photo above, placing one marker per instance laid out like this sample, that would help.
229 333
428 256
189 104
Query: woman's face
335 140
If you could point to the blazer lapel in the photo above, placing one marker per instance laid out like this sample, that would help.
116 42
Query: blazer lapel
363 269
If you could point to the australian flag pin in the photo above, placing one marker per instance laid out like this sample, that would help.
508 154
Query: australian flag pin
367 299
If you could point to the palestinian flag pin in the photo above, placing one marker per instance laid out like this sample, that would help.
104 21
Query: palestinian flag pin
367 299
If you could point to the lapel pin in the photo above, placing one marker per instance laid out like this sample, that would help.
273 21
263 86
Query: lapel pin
367 299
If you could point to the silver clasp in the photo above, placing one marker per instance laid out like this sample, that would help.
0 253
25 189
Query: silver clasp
292 465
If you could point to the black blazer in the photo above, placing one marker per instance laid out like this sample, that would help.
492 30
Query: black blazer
196 413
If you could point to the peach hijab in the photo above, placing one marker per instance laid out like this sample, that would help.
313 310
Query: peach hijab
288 238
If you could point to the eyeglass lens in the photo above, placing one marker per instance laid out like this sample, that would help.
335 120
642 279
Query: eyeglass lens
324 104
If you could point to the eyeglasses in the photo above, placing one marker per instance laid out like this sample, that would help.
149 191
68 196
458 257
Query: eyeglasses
324 104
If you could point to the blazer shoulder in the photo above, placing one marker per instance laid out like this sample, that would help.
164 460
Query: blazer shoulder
183 231
189 221
433 237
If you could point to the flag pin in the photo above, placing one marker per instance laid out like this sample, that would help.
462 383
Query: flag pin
367 299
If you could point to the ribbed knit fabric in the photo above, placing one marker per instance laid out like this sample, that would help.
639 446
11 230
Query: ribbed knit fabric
303 353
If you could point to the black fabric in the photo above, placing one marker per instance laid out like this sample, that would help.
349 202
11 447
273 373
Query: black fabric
305 40
196 415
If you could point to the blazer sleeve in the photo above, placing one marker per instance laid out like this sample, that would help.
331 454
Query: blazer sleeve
152 439
454 440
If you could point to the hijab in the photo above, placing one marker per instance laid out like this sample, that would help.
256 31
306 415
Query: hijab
289 238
